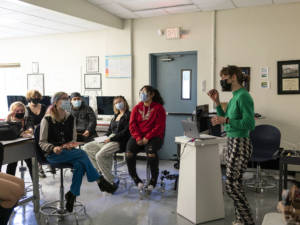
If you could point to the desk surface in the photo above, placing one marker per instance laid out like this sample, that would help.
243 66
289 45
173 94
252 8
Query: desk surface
199 142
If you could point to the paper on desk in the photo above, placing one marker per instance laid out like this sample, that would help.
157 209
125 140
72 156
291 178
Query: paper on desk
14 141
101 139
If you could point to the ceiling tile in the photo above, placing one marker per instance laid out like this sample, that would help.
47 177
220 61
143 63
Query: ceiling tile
214 4
248 3
182 9
117 9
150 13
140 5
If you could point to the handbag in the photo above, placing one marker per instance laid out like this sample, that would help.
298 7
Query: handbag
10 130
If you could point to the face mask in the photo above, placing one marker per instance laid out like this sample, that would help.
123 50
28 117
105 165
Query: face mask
65 105
76 103
143 96
225 85
35 101
120 106
20 115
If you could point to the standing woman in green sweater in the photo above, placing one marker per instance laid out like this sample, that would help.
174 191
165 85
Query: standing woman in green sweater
238 121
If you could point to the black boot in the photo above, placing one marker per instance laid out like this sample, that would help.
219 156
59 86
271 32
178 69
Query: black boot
5 215
70 201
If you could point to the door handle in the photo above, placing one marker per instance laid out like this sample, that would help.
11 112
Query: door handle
179 114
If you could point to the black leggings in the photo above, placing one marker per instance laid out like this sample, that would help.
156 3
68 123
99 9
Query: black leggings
5 215
11 167
151 150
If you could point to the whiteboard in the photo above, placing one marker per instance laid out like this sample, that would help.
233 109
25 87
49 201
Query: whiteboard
118 66
36 82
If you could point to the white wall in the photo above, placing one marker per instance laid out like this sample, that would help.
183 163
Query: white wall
62 59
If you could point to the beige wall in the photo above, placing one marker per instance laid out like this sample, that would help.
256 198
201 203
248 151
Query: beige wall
258 37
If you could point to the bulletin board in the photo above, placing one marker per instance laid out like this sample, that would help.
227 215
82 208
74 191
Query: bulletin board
118 66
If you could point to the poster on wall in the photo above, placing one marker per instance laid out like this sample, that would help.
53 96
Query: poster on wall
36 82
92 81
118 66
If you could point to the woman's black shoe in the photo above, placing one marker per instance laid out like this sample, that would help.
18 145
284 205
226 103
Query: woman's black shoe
70 201
103 184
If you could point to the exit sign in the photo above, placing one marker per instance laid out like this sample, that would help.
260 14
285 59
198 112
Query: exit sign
173 33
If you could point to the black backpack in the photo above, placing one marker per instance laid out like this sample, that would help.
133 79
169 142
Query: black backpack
10 130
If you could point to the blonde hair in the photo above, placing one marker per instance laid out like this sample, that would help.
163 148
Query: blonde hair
52 110
14 105
126 106
32 93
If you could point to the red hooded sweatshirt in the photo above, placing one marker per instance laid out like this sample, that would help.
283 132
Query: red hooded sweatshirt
147 121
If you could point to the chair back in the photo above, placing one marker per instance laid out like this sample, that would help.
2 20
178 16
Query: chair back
266 141
39 152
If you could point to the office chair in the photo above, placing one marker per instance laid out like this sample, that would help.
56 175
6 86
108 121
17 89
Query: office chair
56 208
266 142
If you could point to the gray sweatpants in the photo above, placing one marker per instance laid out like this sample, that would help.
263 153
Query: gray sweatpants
101 156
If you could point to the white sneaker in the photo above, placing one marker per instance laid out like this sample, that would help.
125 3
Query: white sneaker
140 186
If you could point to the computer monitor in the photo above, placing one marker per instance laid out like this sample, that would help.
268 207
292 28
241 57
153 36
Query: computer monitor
202 117
86 99
46 100
15 98
105 105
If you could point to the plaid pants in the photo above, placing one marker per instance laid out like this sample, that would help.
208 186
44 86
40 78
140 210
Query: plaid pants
237 156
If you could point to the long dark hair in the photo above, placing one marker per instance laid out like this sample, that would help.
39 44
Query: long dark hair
156 97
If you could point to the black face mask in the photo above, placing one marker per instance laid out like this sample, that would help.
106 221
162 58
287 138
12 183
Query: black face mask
35 101
225 85
20 115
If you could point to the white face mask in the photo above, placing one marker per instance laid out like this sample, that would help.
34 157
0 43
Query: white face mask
120 106
76 103
65 105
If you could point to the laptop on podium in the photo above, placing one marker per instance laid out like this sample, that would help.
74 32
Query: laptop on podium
191 130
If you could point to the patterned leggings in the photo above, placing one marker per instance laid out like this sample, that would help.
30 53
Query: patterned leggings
236 157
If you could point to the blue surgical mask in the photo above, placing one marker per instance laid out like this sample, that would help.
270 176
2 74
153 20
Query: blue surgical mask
143 96
65 105
76 103
120 106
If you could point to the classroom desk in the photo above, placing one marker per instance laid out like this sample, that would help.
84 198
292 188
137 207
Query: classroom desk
200 195
20 149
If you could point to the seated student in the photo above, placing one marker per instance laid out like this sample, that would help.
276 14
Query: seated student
58 141
147 127
101 154
17 114
11 190
85 118
36 111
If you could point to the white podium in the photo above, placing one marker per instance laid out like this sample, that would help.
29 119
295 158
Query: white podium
200 195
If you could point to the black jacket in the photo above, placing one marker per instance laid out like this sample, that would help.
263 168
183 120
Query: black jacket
85 119
123 133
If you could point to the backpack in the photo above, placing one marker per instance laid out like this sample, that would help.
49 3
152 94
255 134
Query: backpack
10 130
290 205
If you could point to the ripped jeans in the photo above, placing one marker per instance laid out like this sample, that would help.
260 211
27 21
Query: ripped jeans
151 150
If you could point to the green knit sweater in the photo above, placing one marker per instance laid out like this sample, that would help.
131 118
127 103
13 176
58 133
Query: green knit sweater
240 111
